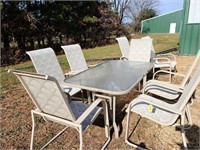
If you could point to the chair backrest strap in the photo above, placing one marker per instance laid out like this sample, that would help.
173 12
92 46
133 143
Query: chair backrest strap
75 57
46 94
46 62
124 46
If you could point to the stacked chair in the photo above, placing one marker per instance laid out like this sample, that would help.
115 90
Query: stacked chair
162 112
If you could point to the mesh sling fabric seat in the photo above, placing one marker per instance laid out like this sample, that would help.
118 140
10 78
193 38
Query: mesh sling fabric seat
54 105
124 47
161 60
46 62
163 113
75 58
169 90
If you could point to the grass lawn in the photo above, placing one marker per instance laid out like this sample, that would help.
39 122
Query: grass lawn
160 41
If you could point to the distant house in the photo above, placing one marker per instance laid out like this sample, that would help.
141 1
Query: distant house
186 22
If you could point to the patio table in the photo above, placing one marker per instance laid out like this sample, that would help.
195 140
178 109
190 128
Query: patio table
114 77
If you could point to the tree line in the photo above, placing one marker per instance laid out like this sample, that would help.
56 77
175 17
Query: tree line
29 25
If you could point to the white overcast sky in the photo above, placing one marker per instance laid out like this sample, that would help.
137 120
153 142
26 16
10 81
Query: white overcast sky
167 6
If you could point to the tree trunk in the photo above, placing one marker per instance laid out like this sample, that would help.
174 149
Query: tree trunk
39 44
32 43
6 41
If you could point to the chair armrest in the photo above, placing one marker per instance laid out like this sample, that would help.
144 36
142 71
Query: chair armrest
169 72
91 108
167 60
123 58
169 54
148 85
161 105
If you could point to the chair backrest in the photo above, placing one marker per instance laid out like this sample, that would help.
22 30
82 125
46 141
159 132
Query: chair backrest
188 90
46 62
46 94
75 57
153 53
188 74
124 46
140 50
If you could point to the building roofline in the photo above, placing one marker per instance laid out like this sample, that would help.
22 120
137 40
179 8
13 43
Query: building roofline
162 15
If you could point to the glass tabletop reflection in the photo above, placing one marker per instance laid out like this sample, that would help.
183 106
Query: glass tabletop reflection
112 77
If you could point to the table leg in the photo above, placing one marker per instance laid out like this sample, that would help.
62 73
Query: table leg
112 112
144 80
116 129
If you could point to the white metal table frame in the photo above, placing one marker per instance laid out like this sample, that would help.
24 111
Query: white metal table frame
114 77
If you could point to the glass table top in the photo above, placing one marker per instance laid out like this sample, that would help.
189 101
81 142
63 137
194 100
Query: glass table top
112 77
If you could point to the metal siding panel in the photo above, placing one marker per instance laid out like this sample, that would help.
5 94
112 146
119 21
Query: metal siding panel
190 34
162 24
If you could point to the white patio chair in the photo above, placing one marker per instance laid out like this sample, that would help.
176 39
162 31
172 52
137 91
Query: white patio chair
53 105
162 112
124 47
75 58
168 90
46 62
140 50
162 60
76 61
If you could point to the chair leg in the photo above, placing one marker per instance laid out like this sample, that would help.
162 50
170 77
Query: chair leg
183 131
153 70
55 137
106 124
189 118
89 97
126 132
81 137
33 130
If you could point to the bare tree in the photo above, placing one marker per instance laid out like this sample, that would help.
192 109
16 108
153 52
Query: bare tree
120 7
137 7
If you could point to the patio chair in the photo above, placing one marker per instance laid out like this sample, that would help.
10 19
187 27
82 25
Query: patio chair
76 62
168 90
124 47
46 62
75 58
162 60
161 112
140 50
53 105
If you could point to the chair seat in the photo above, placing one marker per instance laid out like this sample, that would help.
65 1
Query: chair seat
158 115
164 64
78 108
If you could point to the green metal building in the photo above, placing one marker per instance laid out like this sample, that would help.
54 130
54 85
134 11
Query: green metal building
167 23
190 30
186 22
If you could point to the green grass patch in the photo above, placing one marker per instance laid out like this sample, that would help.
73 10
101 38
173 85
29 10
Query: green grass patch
161 42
